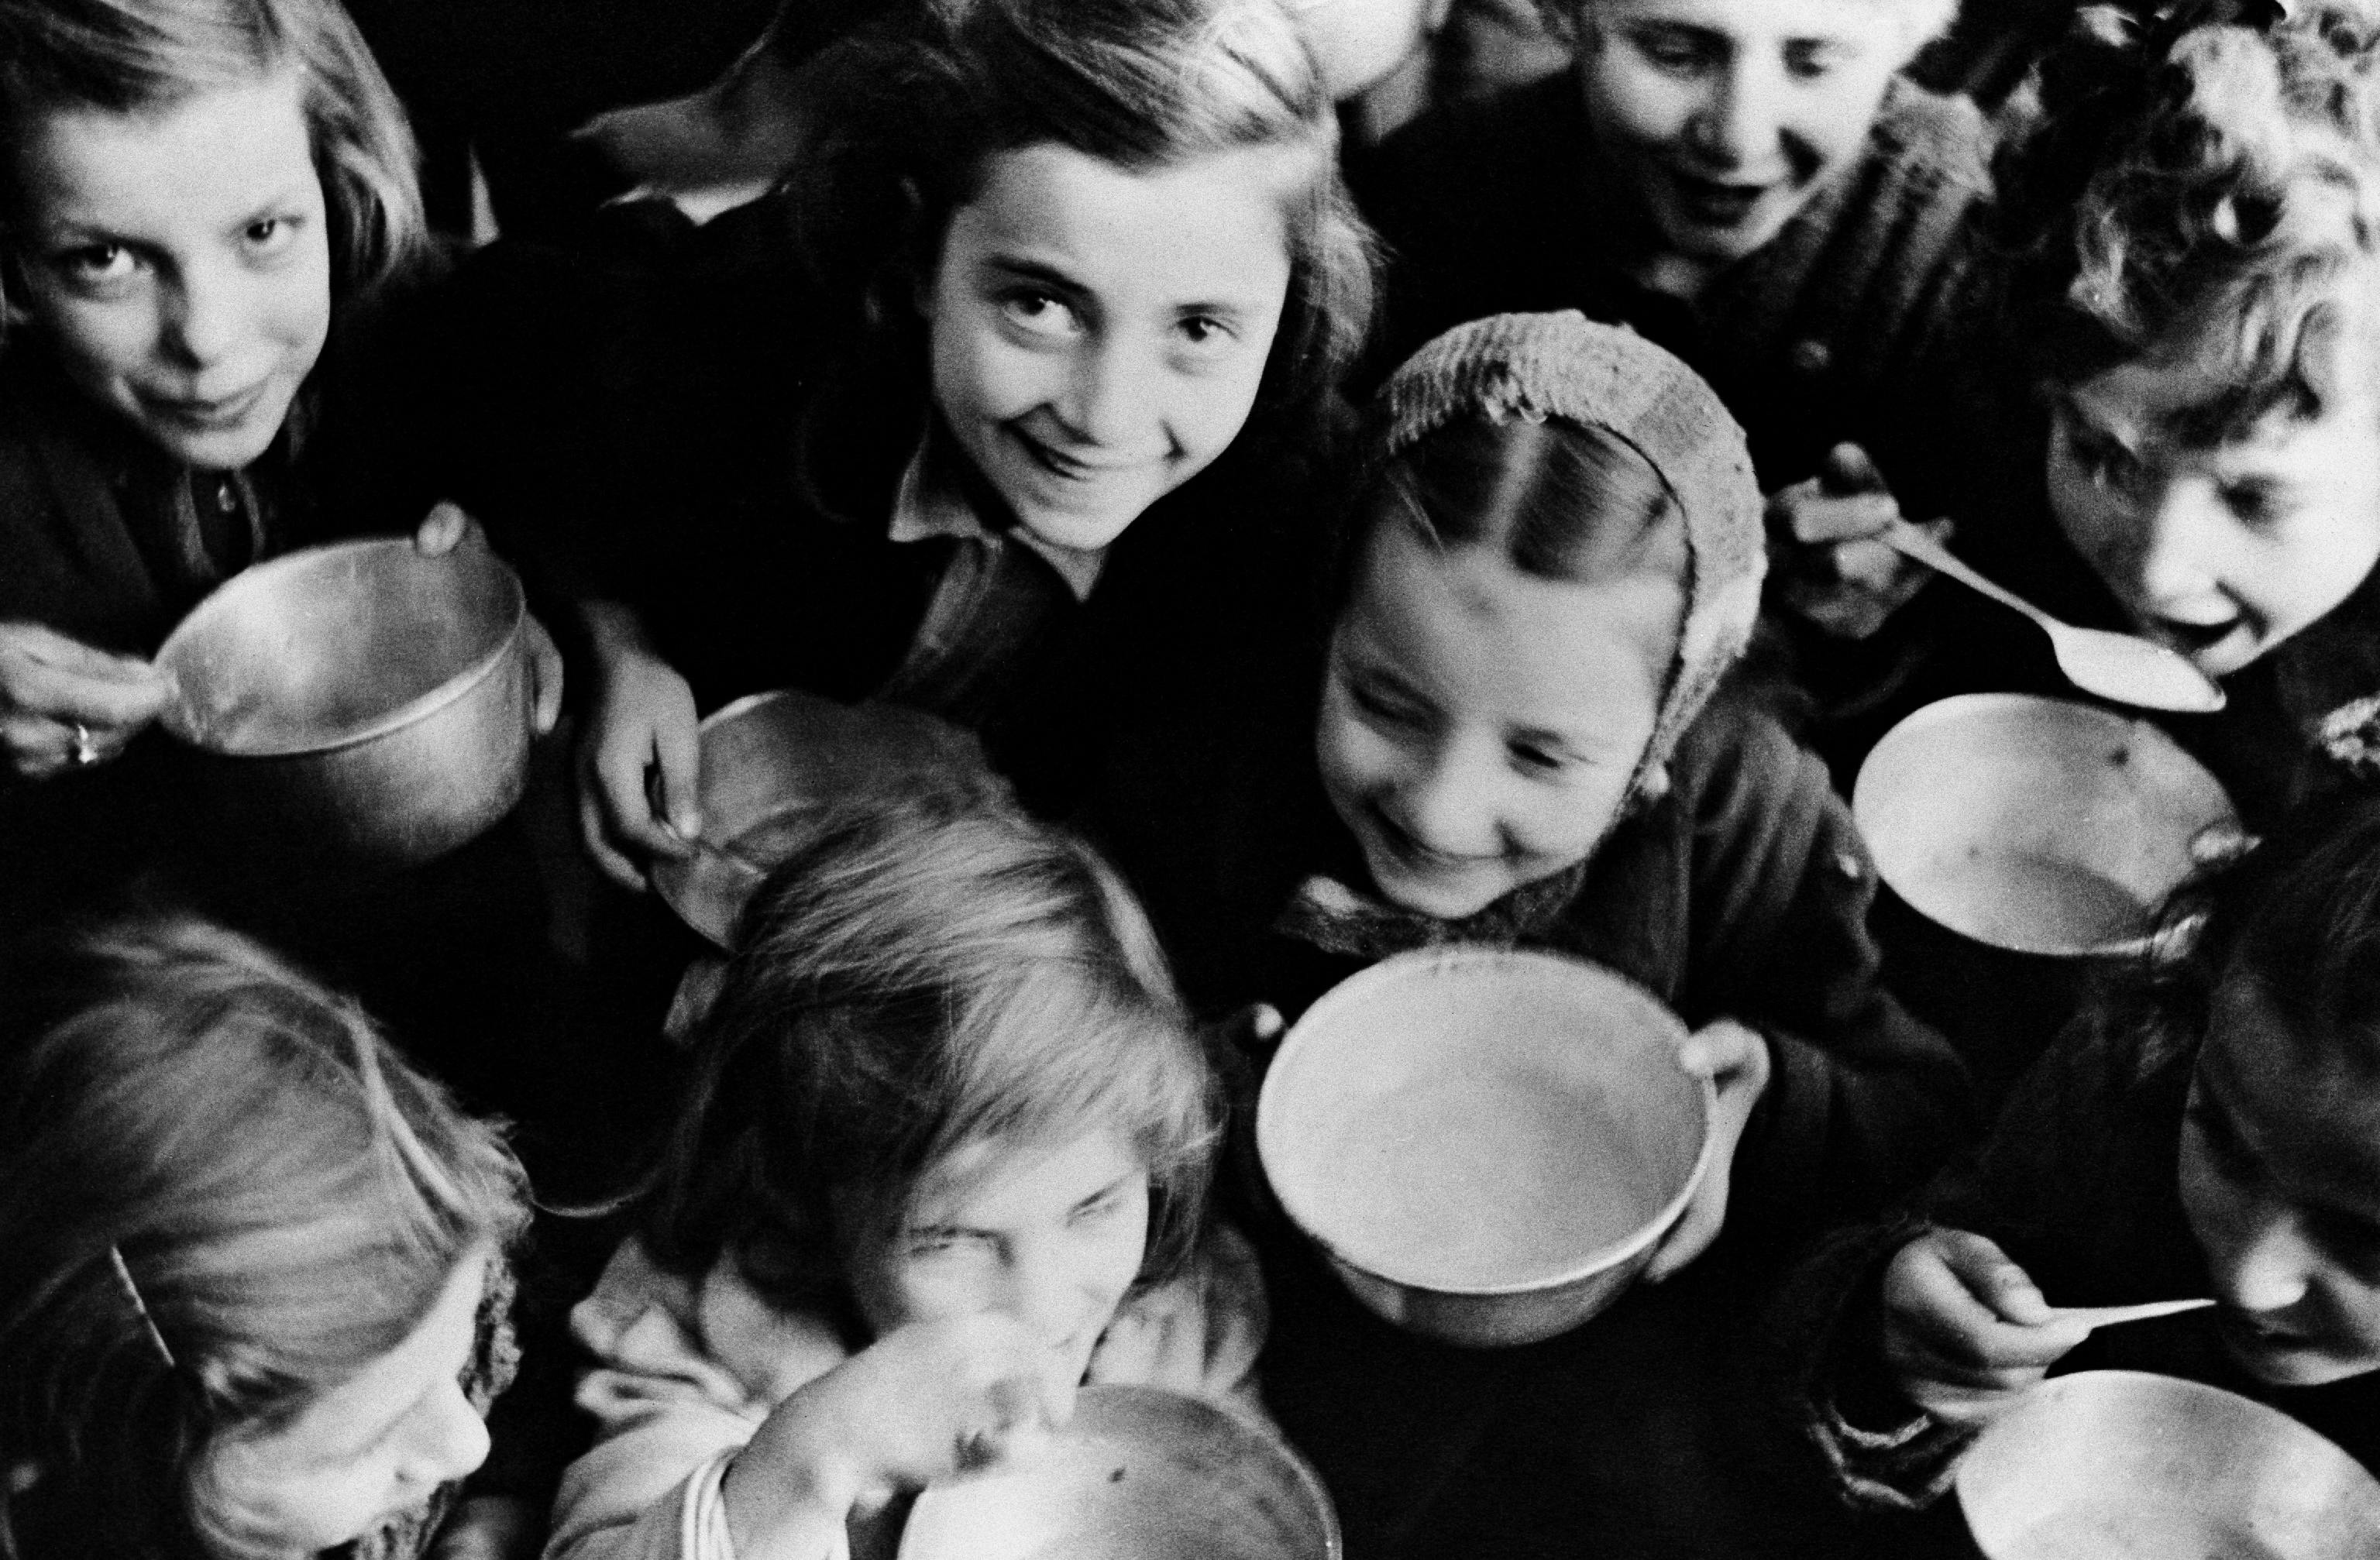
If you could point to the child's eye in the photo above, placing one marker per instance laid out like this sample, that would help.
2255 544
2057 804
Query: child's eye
1808 61
1680 54
270 236
95 265
1539 758
1039 313
1383 707
2231 1157
2254 504
1097 1209
2105 462
1204 334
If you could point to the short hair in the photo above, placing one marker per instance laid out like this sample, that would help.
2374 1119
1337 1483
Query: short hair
1922 21
915 105
288 1198
925 973
2213 191
145 56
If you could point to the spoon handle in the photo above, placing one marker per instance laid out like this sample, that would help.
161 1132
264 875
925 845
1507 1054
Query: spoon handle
2109 1316
1906 538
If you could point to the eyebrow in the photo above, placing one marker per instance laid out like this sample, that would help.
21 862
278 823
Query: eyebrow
1038 272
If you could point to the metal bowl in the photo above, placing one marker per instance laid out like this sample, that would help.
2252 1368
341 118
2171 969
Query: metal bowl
771 763
361 701
1137 1474
2035 825
2116 1465
1486 1144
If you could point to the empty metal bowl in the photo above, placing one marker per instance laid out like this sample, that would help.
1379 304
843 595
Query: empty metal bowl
1486 1144
2035 825
361 702
2117 1465
771 763
1137 1474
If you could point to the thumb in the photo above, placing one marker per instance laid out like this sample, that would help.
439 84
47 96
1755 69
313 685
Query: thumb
678 753
1997 1281
1847 469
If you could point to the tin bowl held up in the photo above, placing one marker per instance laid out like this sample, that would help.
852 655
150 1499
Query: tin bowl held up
358 704
1486 1145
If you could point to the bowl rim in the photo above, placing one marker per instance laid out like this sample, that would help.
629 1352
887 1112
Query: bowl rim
413 711
2074 1383
1309 1483
1957 708
1423 962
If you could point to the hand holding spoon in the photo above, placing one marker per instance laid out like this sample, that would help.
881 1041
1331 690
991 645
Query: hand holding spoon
2121 666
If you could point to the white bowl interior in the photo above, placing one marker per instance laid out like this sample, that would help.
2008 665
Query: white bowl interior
2033 824
1137 1474
2116 1465
1481 1121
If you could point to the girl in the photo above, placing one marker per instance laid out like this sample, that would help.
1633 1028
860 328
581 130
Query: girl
1053 266
1555 556
207 208
2209 1130
942 1157
255 1301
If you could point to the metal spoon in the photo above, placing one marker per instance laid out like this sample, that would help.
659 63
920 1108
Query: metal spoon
2121 666
2109 1316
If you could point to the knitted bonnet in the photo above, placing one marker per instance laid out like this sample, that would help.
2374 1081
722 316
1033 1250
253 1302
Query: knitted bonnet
1533 366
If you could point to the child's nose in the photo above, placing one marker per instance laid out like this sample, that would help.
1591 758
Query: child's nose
204 318
450 1440
2177 544
1738 125
1107 395
1041 1294
2273 1269
1439 803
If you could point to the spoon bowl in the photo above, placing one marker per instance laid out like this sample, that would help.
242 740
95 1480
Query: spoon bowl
2123 668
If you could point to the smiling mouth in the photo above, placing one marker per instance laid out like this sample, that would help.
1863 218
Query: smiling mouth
1717 204
1069 468
223 412
1413 852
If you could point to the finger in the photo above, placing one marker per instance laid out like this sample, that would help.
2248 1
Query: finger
545 679
71 683
678 756
1693 1232
1843 516
441 530
32 642
1127 1352
1993 1278
595 834
623 777
1847 469
32 747
1264 1023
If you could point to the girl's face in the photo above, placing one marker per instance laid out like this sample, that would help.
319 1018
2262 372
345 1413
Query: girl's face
1479 726
2220 550
1726 116
2280 1179
371 1447
1052 1236
179 262
1097 335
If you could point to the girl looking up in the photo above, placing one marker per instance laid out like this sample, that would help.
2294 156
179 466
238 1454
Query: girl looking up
997 410
255 1299
942 1157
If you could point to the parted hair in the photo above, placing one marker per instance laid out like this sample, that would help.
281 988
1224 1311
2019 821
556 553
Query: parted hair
286 1198
927 973
2211 189
146 56
916 103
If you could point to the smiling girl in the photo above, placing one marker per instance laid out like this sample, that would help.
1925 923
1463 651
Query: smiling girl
1002 401
255 1304
942 1157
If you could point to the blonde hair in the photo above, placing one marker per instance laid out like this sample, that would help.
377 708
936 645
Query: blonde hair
145 56
929 973
2213 190
197 1139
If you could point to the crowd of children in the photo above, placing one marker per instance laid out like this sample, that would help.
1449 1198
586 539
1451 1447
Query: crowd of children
1340 545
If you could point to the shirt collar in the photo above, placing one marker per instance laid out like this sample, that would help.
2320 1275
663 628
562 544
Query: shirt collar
928 504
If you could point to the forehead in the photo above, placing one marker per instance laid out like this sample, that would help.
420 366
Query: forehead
1212 228
1485 639
2163 396
1754 22
212 157
995 1183
2315 1124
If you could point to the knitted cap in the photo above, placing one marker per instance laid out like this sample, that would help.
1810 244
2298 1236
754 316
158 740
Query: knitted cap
1533 366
